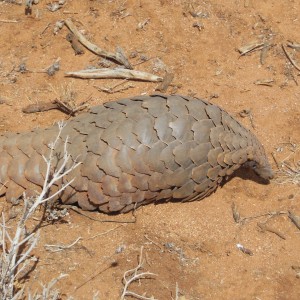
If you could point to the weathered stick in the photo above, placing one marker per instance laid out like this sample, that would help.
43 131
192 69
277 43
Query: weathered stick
75 43
114 73
121 59
295 219
253 46
113 89
294 45
163 86
9 21
264 52
39 107
264 227
266 82
293 62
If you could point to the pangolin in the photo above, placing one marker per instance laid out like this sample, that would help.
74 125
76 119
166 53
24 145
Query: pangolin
135 151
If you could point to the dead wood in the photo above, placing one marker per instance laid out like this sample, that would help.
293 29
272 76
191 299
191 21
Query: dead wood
253 46
115 88
163 86
293 62
121 59
74 43
294 45
265 227
8 21
266 82
55 104
39 107
114 73
295 219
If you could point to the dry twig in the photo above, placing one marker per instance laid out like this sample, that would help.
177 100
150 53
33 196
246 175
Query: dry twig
113 74
151 241
270 214
65 100
17 248
115 88
121 59
264 52
235 213
132 275
265 227
39 107
65 107
266 82
48 292
295 219
288 168
8 21
294 45
74 43
247 113
103 233
163 86
13 2
70 109
44 30
293 62
57 248
50 70
253 46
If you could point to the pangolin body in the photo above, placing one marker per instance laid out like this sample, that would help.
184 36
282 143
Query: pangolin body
135 151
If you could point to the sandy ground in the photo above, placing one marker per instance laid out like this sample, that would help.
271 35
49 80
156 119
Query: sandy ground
188 245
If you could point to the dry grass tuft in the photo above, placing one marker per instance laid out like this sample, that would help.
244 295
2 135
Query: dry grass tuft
289 167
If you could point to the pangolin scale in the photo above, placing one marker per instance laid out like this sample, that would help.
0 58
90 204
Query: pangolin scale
135 151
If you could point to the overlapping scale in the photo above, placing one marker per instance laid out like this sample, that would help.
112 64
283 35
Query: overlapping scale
132 152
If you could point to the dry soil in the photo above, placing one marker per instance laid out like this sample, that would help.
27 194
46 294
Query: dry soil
189 245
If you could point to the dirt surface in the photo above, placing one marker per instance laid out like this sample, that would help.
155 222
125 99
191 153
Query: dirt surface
191 245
